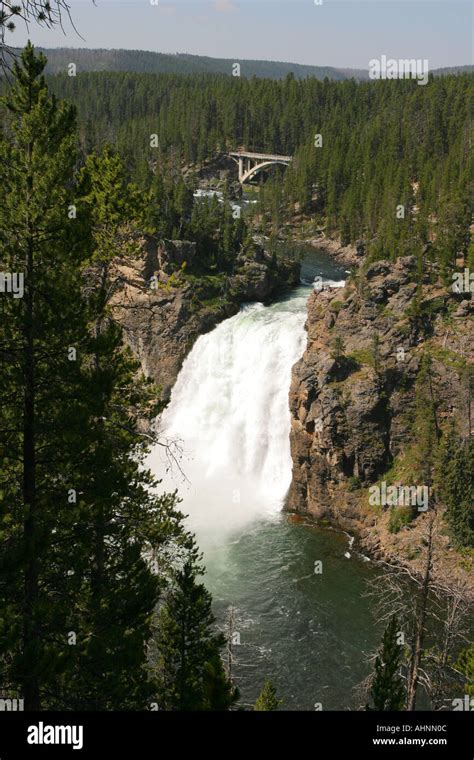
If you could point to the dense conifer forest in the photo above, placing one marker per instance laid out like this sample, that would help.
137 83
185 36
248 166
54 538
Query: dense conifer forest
391 163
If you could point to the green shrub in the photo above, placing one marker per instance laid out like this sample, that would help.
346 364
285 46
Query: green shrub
399 517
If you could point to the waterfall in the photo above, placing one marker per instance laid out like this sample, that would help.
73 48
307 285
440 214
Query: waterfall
229 411
229 407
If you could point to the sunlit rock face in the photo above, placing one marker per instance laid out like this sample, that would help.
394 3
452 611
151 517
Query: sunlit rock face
163 312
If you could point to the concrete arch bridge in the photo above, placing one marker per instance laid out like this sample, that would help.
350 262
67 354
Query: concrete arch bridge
251 164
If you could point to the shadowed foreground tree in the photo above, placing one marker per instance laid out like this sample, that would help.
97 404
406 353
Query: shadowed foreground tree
456 486
79 513
189 668
387 690
123 520
42 397
465 665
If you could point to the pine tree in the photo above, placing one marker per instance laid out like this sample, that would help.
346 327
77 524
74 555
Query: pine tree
189 670
122 521
43 337
79 514
42 12
267 700
465 665
387 691
455 466
219 692
338 348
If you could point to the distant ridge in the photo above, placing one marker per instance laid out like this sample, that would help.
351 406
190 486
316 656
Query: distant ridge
144 61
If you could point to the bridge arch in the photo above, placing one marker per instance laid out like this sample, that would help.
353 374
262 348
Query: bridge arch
258 168
251 164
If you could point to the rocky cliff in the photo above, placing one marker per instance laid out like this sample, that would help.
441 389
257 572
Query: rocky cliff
352 395
164 303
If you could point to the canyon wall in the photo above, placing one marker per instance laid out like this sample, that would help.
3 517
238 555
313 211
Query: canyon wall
164 308
352 395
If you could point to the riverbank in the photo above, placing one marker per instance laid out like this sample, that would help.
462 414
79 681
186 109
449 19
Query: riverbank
342 255
369 537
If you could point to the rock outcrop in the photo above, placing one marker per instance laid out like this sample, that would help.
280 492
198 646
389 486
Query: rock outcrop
352 395
163 308
170 255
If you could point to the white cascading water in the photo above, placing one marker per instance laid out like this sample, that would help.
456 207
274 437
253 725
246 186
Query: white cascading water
229 412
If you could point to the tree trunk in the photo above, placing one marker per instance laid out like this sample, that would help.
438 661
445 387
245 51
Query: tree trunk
31 692
420 620
30 632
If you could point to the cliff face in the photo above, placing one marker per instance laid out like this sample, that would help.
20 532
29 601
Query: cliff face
163 309
352 395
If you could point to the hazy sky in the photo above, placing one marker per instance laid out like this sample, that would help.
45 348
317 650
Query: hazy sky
336 33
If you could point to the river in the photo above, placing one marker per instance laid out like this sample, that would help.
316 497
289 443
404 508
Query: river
306 631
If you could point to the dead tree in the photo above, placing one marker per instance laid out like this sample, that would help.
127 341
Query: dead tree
423 605
450 613
420 616
230 639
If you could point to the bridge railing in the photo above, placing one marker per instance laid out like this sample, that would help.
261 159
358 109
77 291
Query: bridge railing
259 156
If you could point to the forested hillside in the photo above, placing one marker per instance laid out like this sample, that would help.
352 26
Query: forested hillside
149 62
391 163
145 61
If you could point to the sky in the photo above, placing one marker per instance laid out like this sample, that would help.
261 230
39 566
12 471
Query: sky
343 33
